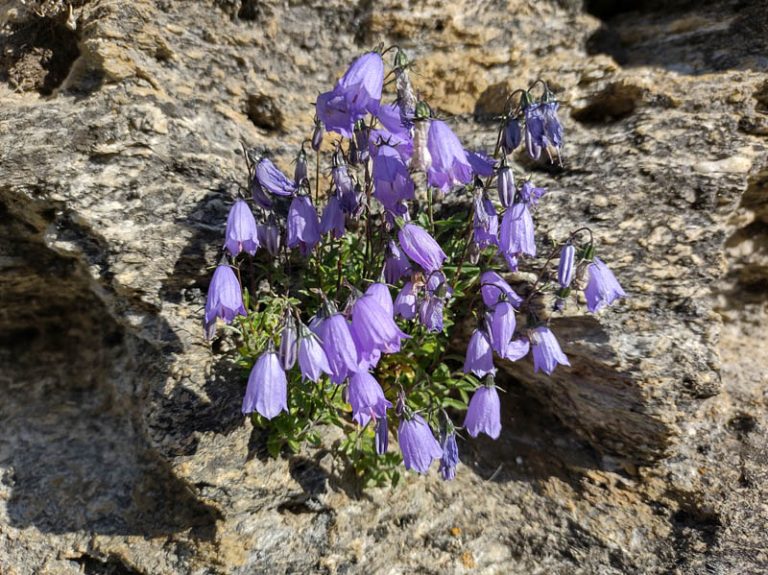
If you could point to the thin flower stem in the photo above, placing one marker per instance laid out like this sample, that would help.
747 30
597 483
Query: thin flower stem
429 208
469 234
317 176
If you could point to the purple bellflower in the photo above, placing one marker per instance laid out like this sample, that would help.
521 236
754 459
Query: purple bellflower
450 165
267 391
396 265
273 180
333 217
405 302
366 398
418 445
303 225
502 325
374 329
493 288
391 181
259 194
479 358
486 222
225 299
241 230
312 359
269 237
516 235
534 131
421 247
436 293
450 458
546 351
390 117
603 288
484 412
553 129
339 347
357 92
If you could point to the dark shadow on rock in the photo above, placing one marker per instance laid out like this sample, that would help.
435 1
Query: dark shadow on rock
73 447
682 35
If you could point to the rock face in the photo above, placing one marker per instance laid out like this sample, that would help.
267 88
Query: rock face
122 449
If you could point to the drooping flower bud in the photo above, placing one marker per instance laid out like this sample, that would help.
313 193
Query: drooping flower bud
289 343
300 173
450 165
303 225
505 184
511 135
269 237
339 346
565 267
273 180
312 359
501 325
333 218
450 458
366 398
396 265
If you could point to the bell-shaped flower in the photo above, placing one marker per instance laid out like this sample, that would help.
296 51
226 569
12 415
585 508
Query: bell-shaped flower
450 458
484 412
273 180
417 444
534 131
289 344
333 217
366 398
479 358
405 302
396 265
225 299
374 329
450 165
511 136
312 359
267 391
339 347
553 129
546 351
269 237
602 288
421 247
516 236
501 324
392 183
260 195
493 288
381 294
565 267
303 225
482 165
241 230
486 222
357 92
436 293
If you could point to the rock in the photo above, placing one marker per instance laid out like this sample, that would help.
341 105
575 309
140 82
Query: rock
122 446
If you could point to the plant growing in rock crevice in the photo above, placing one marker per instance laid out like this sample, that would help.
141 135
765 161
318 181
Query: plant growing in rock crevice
326 342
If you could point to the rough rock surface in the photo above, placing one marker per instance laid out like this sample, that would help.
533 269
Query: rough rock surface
122 449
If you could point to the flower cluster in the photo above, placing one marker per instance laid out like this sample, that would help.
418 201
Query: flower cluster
327 319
